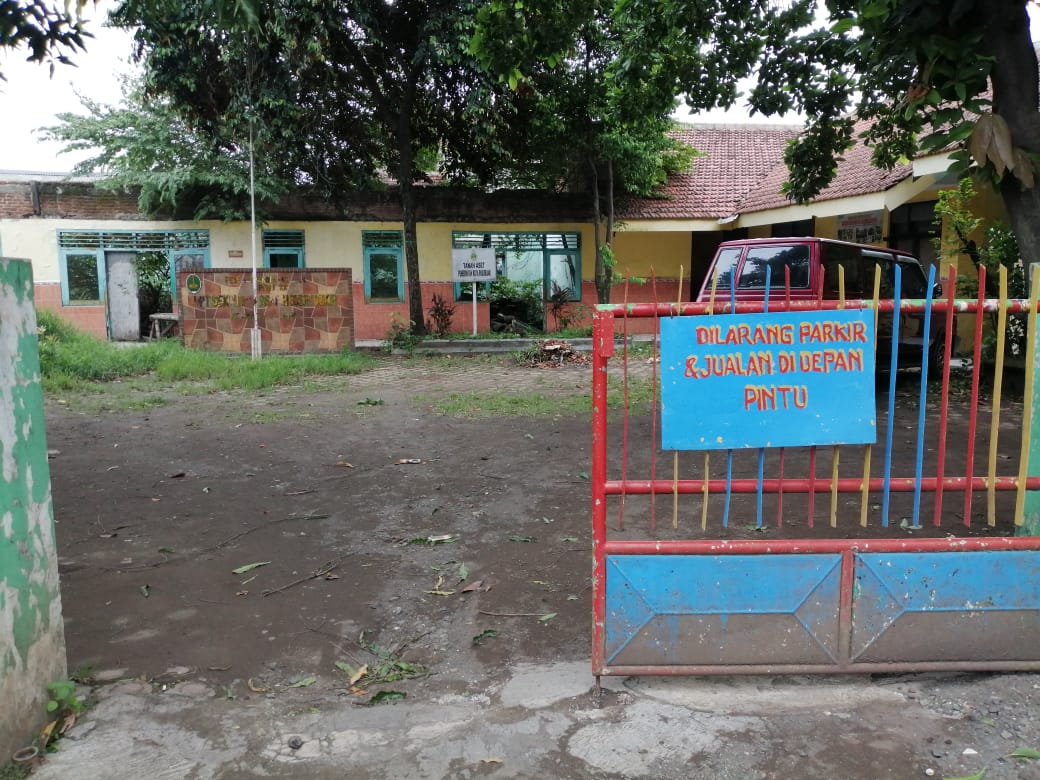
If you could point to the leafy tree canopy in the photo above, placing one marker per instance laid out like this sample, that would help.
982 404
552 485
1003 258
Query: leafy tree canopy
48 29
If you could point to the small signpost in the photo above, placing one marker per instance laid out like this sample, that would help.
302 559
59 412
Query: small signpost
473 265
780 379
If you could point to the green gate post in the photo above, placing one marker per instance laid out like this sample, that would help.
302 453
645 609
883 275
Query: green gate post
1031 524
32 638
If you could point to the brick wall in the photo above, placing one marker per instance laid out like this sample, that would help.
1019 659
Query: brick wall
301 310
89 319
373 320
69 200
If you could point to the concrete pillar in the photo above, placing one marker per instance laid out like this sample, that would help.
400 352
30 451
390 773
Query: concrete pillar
32 638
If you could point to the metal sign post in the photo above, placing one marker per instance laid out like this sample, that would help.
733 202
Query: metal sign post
473 265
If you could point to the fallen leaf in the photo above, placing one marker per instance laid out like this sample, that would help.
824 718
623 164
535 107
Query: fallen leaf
568 538
977 776
219 668
382 696
441 539
178 475
491 761
305 682
487 634
249 567
463 572
359 674
45 734
241 592
331 576
1024 753
168 550
473 586
440 592
255 688
358 691
344 464
521 538
408 461
156 500
584 475
67 723
145 590
547 617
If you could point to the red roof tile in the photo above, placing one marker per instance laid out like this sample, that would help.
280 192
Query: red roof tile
742 171
734 160
856 176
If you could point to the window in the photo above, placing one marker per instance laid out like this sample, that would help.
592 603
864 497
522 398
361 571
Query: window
550 260
724 268
776 259
82 276
283 249
80 284
859 271
384 266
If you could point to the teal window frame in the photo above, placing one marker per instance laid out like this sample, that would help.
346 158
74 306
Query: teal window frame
175 243
99 264
549 243
383 242
284 242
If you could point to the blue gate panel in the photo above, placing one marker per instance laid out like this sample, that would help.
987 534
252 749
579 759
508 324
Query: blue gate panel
736 609
946 606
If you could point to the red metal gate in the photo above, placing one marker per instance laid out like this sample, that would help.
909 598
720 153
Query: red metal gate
820 559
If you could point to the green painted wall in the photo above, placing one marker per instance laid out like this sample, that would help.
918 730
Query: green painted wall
32 639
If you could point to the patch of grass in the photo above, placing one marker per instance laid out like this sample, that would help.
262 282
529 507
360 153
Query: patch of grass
535 404
73 362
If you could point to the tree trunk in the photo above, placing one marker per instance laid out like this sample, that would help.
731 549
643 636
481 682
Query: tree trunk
602 289
405 173
1016 98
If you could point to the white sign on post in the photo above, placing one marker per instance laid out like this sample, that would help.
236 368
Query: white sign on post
473 265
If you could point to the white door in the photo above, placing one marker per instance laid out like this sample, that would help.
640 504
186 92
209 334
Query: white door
124 317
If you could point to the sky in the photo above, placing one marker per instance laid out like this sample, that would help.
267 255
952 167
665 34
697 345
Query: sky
31 97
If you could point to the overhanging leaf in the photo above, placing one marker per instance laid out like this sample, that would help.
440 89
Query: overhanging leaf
249 567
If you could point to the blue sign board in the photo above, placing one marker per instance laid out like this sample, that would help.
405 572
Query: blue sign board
778 379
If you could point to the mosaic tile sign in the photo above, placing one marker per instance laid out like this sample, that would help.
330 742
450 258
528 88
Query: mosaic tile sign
299 310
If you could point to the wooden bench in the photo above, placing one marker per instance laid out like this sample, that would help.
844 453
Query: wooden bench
163 324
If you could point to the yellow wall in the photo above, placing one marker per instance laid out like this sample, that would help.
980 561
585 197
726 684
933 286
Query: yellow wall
640 253
326 244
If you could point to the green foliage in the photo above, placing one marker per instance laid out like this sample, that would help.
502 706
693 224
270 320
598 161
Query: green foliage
519 299
63 699
999 248
565 312
441 313
401 335
48 29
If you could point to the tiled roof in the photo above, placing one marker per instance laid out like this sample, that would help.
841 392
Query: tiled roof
742 171
856 176
734 160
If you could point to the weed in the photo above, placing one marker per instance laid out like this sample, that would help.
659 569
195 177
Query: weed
441 313
400 336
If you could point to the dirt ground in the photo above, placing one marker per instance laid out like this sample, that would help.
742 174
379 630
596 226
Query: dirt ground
461 545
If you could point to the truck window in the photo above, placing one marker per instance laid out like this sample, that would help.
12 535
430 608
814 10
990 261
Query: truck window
837 256
725 262
776 258
914 283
